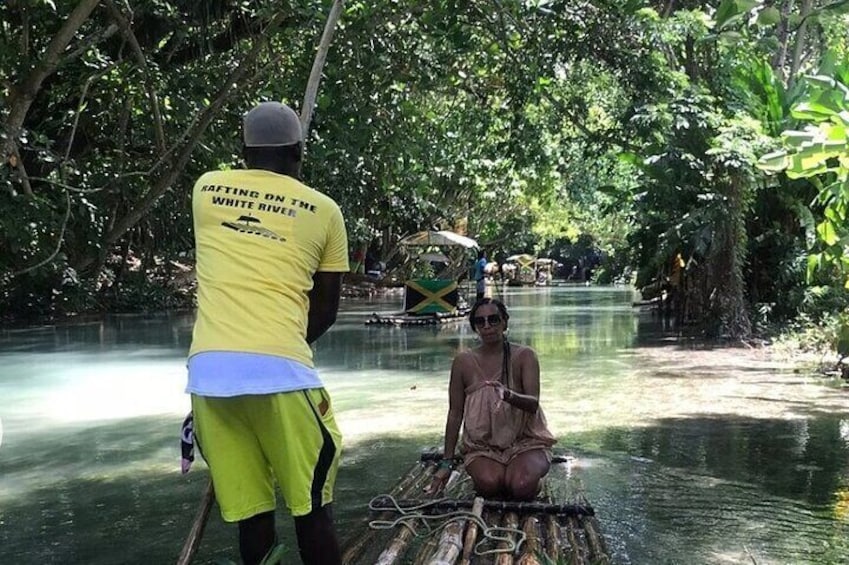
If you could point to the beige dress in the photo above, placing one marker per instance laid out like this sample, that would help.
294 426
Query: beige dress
495 429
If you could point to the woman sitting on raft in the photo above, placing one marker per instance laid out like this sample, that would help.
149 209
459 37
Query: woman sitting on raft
494 395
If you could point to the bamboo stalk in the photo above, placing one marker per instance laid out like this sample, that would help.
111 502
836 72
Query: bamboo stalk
531 548
598 547
399 543
363 535
429 547
472 532
570 509
511 520
557 458
192 542
552 538
433 541
450 544
578 545
432 547
598 551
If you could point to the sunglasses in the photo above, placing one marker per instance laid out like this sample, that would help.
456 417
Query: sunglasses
492 319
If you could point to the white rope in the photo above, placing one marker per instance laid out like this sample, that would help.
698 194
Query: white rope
409 516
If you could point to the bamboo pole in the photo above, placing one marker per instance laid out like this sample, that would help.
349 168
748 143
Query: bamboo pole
363 535
597 549
577 544
450 543
552 538
396 547
399 543
531 548
192 542
318 65
434 542
556 459
570 509
472 532
447 549
429 547
511 520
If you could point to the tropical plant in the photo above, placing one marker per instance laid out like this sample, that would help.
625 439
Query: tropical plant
820 153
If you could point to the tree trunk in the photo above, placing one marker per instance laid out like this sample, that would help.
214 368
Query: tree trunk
726 260
799 46
783 34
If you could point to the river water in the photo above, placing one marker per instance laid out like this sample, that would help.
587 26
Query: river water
688 455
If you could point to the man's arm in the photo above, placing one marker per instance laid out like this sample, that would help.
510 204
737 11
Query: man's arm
324 303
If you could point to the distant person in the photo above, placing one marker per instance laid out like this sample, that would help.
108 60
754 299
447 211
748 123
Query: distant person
494 396
359 261
673 303
480 276
267 289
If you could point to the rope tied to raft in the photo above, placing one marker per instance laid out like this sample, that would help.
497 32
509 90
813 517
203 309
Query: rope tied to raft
410 516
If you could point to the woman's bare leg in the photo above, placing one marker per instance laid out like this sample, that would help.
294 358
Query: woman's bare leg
488 477
523 474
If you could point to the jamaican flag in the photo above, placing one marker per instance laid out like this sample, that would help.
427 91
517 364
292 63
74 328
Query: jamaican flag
429 296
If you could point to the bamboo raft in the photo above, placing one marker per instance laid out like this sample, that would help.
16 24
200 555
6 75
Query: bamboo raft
405 319
407 526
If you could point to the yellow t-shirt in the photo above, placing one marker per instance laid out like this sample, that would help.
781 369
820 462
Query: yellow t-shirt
259 238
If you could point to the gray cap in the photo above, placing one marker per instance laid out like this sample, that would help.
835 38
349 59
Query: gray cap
271 124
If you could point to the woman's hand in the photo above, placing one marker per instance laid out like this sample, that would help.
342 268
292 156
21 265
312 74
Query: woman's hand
503 392
440 478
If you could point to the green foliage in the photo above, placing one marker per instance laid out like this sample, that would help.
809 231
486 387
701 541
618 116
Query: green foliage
625 133
821 152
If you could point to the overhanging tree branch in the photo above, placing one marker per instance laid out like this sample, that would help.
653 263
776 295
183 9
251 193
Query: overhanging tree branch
59 241
192 136
23 93
148 83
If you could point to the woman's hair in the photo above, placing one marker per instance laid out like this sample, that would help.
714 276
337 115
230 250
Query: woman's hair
498 304
502 309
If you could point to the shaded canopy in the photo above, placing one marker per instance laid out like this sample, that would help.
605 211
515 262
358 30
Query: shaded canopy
434 257
438 238
443 254
524 258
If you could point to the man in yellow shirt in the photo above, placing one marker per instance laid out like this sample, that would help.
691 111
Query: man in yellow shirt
271 252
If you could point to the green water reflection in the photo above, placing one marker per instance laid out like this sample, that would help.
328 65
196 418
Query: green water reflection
686 461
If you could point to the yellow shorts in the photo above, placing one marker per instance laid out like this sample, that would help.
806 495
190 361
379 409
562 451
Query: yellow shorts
248 441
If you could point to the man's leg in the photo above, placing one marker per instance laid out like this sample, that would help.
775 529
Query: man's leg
256 537
317 539
304 424
243 485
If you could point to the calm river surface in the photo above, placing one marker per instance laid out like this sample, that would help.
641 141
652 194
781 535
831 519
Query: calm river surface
689 456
